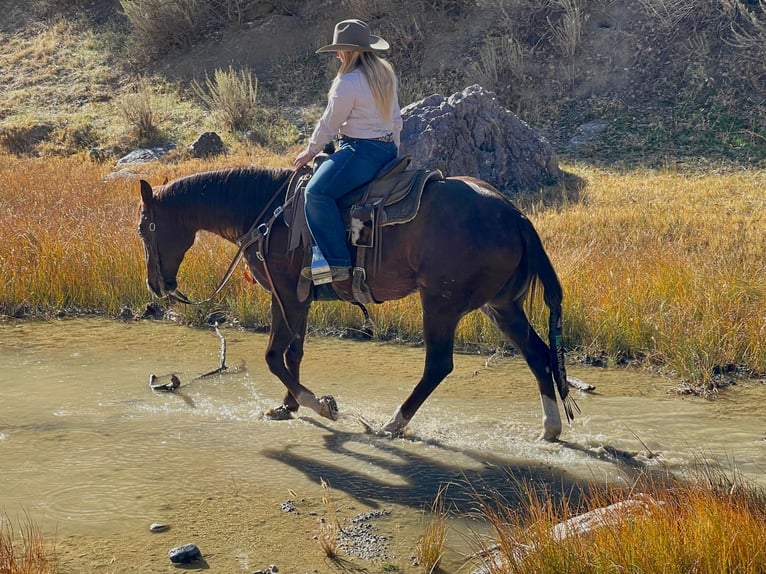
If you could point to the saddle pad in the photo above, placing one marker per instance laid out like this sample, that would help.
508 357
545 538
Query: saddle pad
402 192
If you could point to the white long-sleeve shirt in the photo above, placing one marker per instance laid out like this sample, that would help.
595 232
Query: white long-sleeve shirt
351 111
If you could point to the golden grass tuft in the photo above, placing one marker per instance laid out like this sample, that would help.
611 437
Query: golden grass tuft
329 527
679 527
30 554
430 547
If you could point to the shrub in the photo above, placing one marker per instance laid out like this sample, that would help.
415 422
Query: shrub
21 136
231 96
140 110
29 554
161 25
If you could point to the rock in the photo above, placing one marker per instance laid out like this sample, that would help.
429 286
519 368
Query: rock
168 387
124 173
184 554
470 133
100 154
288 506
153 310
208 144
156 526
143 155
126 313
588 132
359 537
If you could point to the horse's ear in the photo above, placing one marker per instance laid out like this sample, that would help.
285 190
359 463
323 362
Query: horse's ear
146 192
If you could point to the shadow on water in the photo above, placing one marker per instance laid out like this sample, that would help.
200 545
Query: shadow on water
416 480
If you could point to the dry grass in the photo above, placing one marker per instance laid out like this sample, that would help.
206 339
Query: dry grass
27 555
567 33
160 25
60 66
329 527
665 268
671 527
658 268
231 95
140 110
430 547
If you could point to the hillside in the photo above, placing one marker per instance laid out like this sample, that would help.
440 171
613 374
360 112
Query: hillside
664 82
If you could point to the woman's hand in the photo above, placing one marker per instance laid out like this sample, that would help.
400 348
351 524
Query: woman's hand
303 158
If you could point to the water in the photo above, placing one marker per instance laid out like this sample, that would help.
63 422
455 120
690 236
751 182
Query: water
92 453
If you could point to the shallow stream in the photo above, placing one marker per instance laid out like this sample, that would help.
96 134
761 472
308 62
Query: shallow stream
95 456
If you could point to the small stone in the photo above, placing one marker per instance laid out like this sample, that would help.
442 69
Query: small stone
157 527
288 506
184 554
208 144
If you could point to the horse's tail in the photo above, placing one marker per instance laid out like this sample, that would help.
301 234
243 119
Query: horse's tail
541 270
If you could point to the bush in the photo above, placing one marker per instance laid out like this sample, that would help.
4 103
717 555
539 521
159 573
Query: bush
139 110
161 25
22 137
231 96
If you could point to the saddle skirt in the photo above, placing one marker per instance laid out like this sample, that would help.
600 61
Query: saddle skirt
392 198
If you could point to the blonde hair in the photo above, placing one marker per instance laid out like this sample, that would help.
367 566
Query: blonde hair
379 74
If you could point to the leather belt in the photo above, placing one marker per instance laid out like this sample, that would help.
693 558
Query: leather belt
386 138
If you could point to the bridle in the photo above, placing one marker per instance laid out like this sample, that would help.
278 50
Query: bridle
257 233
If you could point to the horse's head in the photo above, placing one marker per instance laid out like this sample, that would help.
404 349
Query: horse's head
166 240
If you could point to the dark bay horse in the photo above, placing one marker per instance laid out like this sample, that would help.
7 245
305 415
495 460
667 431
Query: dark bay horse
468 248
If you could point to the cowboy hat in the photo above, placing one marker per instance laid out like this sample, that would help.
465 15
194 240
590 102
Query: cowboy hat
353 36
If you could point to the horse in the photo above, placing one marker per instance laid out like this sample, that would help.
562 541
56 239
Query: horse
468 248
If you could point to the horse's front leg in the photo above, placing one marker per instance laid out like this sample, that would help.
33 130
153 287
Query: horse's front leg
439 323
283 356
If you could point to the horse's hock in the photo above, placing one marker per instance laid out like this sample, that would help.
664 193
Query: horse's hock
470 133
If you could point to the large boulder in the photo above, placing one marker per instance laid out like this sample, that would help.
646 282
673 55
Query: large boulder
470 133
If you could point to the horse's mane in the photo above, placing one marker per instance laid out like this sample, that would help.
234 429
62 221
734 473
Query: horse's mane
251 184
226 201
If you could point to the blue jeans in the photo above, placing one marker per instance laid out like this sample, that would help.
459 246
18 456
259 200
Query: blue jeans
356 162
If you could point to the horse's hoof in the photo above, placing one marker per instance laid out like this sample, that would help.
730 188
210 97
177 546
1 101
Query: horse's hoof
391 430
280 413
329 407
547 436
395 426
369 428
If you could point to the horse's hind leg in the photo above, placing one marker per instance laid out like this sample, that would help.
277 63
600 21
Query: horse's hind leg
439 323
513 322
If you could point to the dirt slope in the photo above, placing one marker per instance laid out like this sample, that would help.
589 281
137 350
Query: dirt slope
672 81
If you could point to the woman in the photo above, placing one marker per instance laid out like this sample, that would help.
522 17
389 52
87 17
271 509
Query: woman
363 112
